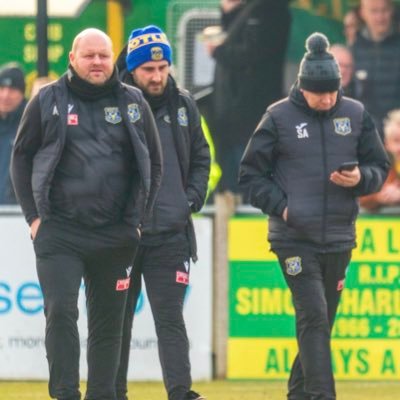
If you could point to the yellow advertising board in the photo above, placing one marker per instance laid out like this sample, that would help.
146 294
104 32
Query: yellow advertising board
366 334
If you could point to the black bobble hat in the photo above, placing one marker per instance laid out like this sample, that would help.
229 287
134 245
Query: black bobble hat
319 72
11 75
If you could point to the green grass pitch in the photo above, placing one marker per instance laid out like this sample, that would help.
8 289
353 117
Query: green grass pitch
216 390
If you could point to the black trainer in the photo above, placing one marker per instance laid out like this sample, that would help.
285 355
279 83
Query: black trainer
191 395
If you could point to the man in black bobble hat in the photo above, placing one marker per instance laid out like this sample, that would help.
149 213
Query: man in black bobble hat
319 72
312 154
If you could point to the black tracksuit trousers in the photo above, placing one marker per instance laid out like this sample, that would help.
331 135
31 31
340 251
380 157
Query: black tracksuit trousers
164 268
66 253
316 282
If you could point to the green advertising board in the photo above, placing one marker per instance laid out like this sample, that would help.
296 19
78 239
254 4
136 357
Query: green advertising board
366 334
19 39
19 33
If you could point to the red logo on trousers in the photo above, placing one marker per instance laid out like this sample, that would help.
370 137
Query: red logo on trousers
182 277
123 284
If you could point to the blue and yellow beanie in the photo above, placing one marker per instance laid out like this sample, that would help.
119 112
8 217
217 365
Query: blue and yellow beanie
147 44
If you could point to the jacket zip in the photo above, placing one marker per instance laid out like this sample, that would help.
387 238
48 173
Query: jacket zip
61 144
325 168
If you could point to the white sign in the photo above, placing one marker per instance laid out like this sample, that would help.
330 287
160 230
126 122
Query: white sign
55 8
22 322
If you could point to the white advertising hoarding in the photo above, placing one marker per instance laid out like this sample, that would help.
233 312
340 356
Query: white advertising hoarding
22 322
55 8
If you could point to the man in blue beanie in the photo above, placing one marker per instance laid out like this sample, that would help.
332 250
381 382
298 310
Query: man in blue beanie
168 238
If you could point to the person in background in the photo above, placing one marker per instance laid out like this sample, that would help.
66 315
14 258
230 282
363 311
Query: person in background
86 166
389 195
345 61
12 105
352 23
168 241
376 54
248 75
291 170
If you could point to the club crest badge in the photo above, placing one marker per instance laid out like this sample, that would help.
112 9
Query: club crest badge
157 53
182 117
293 265
112 115
167 119
342 126
133 112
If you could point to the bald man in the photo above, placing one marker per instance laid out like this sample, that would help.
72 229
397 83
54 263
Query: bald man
86 165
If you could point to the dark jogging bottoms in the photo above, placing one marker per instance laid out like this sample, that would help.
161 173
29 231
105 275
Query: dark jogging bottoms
165 269
66 253
316 281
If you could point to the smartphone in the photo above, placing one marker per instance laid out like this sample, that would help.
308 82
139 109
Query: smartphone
348 166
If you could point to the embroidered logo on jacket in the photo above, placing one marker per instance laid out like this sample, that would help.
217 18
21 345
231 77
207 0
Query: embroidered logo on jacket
133 112
182 117
113 115
342 126
293 265
72 119
186 264
302 131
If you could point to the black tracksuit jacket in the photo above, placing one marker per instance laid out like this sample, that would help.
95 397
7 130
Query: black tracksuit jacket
289 159
192 150
39 146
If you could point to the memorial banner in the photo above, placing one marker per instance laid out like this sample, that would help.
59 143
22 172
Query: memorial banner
366 334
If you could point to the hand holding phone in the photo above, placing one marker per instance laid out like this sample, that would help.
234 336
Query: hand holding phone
346 175
348 166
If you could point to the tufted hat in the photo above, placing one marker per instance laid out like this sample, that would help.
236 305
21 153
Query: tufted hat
11 75
319 72
147 44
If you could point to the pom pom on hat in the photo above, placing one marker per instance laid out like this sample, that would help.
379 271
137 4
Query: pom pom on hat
147 44
319 71
317 43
